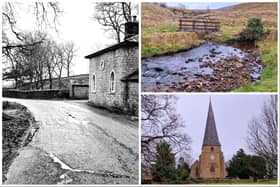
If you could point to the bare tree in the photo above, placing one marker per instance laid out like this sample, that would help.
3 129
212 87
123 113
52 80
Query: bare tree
161 122
45 14
21 62
50 50
262 135
13 38
40 61
113 16
69 54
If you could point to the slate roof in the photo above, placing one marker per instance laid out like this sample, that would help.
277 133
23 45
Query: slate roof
210 135
132 41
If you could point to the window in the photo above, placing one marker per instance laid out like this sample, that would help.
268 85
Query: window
212 168
102 65
93 86
112 82
212 149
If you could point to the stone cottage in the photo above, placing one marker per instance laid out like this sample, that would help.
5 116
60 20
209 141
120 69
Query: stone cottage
113 74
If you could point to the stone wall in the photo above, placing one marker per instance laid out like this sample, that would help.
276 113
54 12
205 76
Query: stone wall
35 94
122 62
133 97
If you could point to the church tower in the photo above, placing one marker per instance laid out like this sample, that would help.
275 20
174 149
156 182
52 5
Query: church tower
211 160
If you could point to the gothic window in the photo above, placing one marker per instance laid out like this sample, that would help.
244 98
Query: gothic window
93 83
212 149
112 82
212 168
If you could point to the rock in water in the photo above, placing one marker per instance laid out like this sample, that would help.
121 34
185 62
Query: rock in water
158 69
238 65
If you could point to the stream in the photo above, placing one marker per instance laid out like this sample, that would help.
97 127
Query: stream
209 67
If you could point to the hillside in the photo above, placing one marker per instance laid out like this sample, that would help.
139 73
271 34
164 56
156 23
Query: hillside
154 15
235 18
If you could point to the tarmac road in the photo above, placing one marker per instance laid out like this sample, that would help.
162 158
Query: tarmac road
76 144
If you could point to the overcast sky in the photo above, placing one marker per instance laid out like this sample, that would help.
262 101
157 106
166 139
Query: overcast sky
203 5
76 24
232 114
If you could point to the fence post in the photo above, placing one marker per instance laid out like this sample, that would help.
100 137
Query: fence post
193 24
180 23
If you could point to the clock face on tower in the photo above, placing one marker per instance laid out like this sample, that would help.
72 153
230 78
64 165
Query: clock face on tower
212 157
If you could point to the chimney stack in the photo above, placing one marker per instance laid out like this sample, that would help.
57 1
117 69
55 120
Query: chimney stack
131 27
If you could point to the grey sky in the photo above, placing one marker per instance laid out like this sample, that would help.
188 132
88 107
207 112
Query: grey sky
232 114
203 5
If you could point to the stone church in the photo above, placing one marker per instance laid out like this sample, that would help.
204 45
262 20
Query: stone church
113 73
211 160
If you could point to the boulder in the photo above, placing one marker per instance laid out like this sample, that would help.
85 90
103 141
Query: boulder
158 69
189 60
238 65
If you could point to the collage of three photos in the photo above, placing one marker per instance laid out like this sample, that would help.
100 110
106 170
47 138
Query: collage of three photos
140 93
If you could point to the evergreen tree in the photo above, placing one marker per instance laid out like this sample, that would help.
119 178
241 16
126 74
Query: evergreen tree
245 166
164 169
183 170
257 167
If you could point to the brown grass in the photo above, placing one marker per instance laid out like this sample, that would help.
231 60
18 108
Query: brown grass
159 25
156 16
236 18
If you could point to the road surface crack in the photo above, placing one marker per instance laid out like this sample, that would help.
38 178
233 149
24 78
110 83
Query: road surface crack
71 115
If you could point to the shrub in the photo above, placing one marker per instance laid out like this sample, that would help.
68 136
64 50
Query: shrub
253 31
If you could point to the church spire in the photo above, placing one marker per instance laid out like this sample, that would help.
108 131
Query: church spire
210 134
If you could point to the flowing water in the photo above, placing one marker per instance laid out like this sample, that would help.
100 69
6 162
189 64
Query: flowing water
172 71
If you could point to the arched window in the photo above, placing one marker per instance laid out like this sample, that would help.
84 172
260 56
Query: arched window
112 82
212 149
93 86
212 168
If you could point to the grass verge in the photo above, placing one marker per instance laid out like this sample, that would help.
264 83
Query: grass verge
16 128
158 43
268 82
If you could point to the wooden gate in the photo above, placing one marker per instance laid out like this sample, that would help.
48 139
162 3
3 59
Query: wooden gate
187 24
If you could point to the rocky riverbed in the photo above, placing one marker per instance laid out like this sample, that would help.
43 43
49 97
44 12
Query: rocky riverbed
209 67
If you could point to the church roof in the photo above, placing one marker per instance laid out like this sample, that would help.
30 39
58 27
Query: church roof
210 134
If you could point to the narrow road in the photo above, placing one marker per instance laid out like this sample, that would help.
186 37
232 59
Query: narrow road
77 144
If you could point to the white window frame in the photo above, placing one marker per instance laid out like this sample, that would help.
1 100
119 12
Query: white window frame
93 83
110 82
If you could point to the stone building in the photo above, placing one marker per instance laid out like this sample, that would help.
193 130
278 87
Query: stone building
211 160
113 74
78 86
